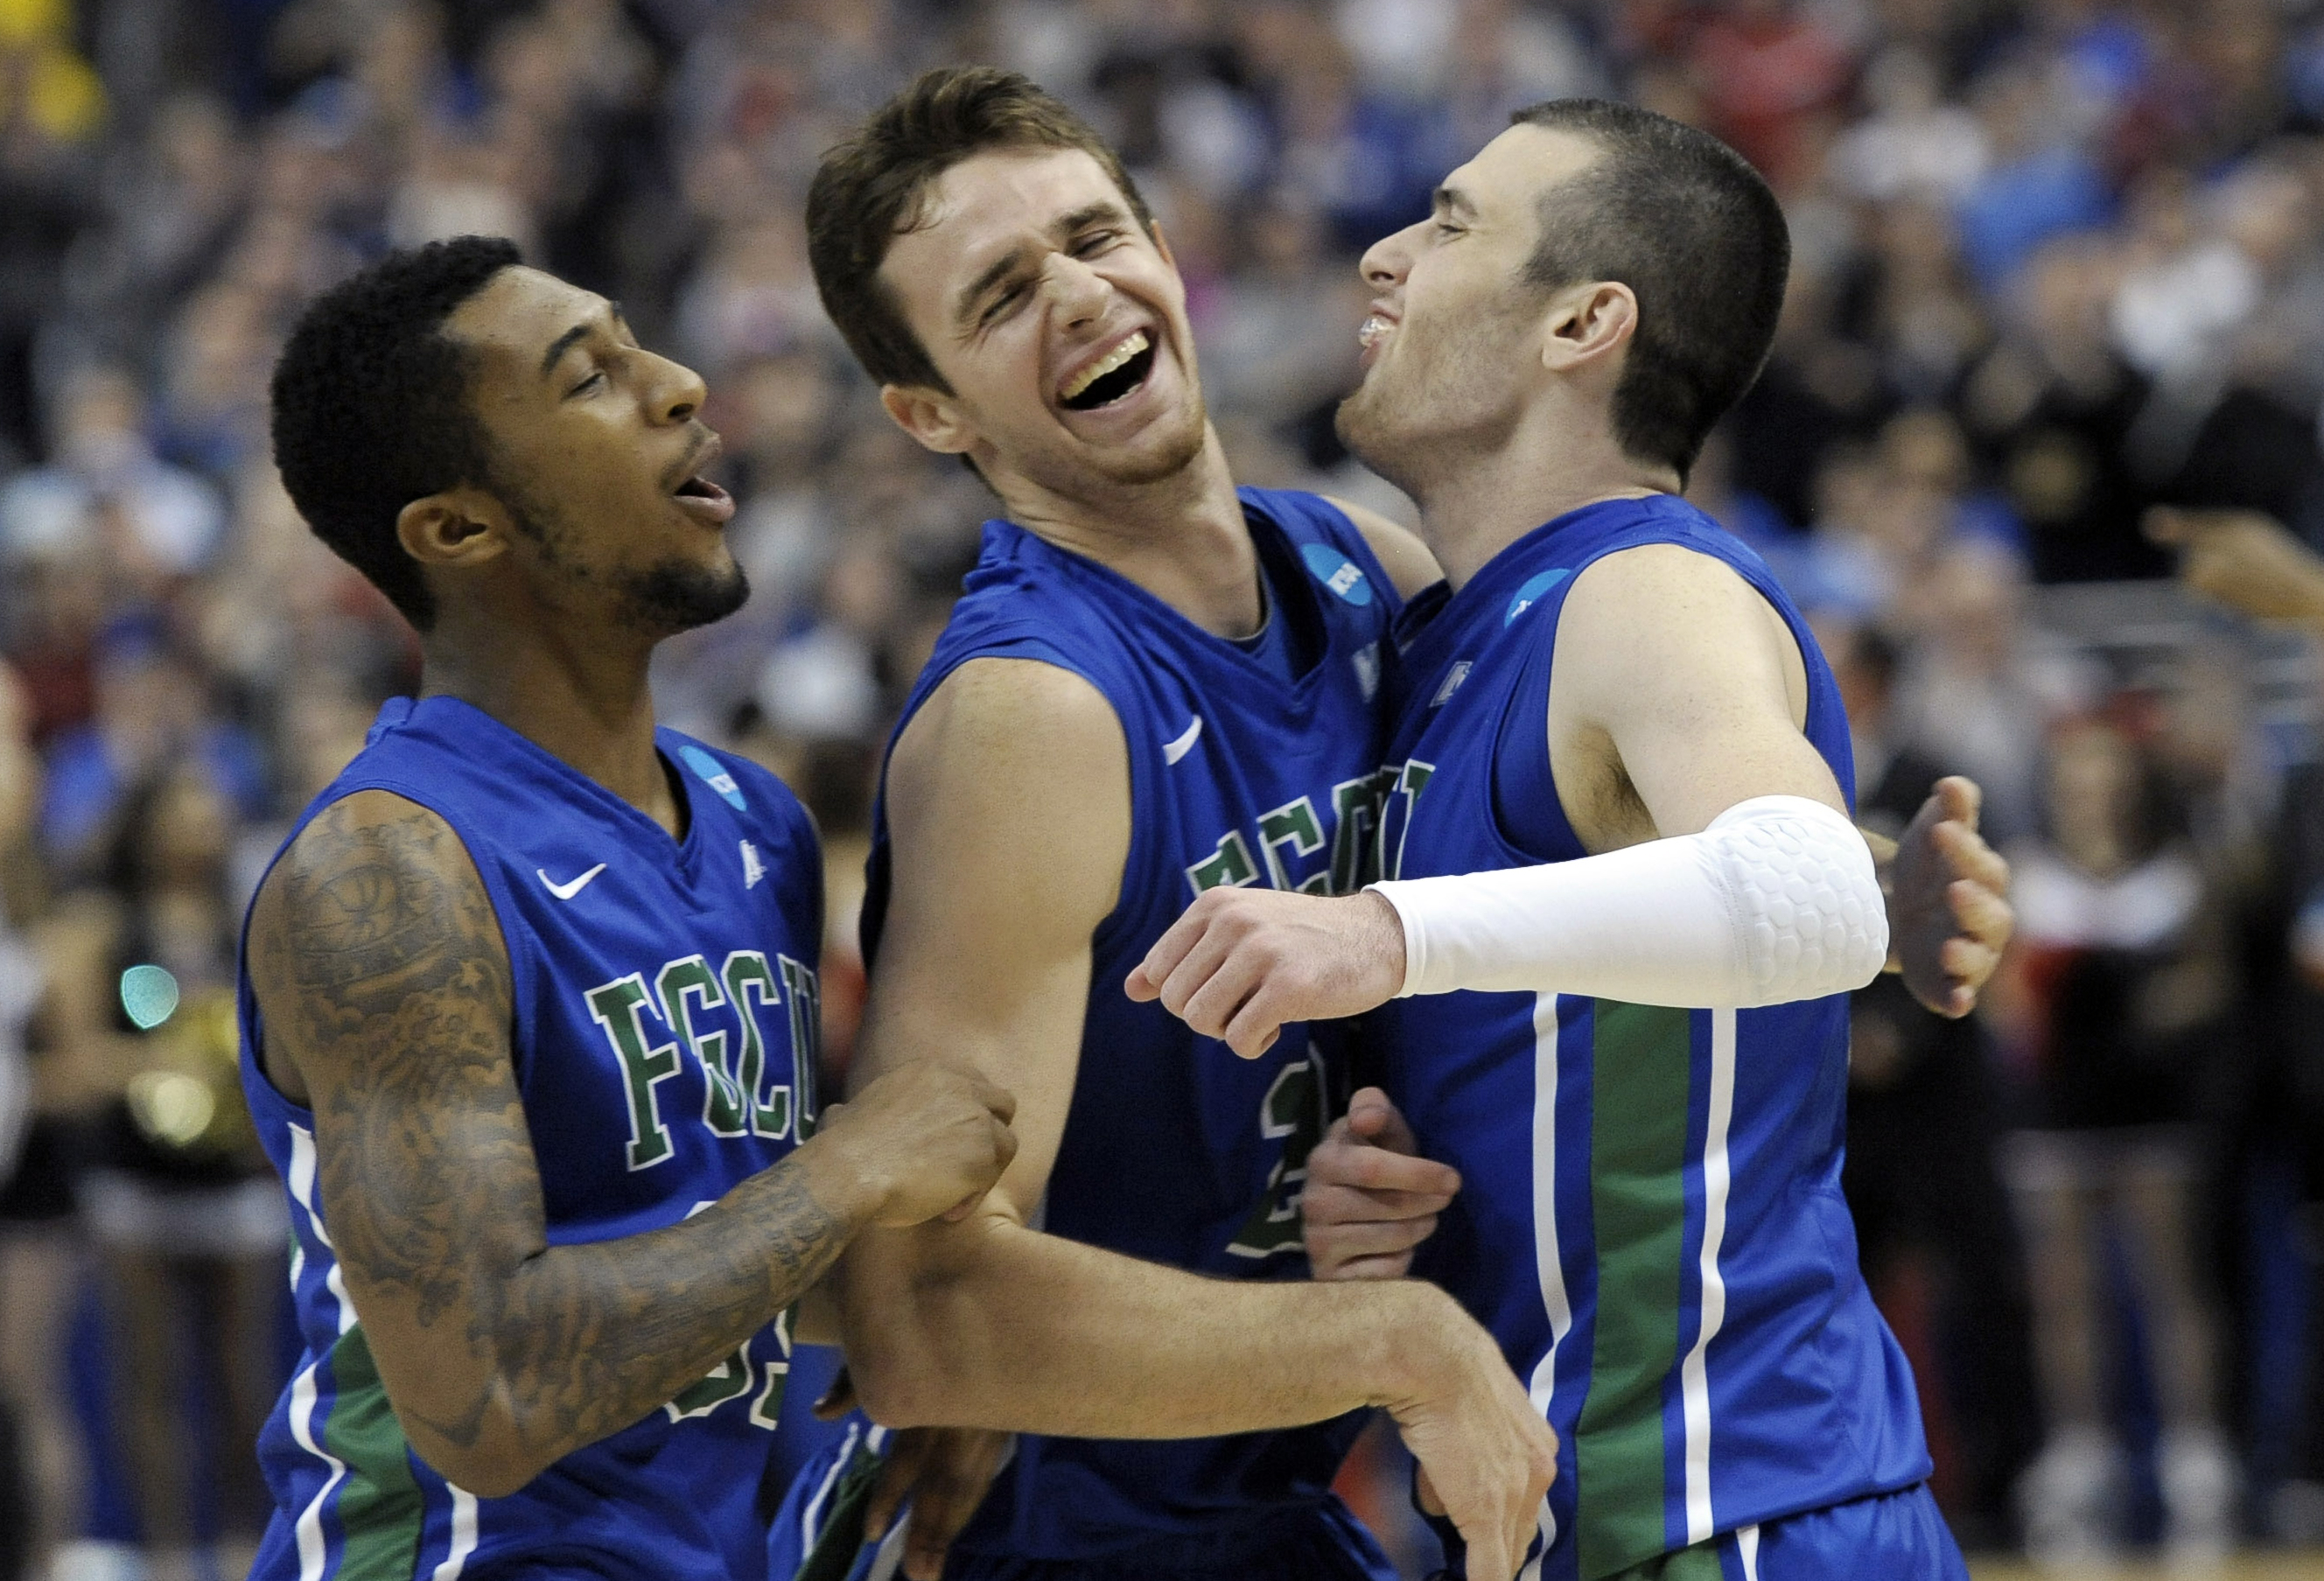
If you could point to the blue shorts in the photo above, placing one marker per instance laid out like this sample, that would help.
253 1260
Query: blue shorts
818 1536
1897 1537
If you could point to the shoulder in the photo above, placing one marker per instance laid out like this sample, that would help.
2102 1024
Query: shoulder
1407 560
1654 617
1012 709
371 854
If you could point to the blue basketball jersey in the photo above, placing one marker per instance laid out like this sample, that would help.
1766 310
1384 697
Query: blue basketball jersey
1650 1219
664 1037
1175 1150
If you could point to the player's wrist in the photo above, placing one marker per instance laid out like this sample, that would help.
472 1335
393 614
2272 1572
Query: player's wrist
851 1182
1415 1338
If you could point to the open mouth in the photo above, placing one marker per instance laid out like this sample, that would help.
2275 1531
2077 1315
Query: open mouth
703 498
1110 377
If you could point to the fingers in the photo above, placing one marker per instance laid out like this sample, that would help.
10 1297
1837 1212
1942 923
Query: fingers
1147 980
1980 913
950 1487
1372 1117
1383 1175
839 1399
907 1456
1373 1239
1968 856
1960 797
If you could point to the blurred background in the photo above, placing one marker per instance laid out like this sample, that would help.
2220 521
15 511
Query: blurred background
2056 261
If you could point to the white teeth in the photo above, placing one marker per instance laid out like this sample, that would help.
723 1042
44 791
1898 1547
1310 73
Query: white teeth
1122 354
1374 328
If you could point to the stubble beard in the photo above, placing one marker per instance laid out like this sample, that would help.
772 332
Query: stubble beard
660 601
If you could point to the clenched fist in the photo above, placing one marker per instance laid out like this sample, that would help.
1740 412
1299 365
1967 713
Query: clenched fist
925 1141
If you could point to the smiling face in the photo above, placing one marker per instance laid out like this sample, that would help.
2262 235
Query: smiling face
597 455
1453 344
1058 322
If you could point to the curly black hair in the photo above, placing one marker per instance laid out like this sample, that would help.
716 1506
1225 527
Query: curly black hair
370 406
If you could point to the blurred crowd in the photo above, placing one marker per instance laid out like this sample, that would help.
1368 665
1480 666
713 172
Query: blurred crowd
2056 263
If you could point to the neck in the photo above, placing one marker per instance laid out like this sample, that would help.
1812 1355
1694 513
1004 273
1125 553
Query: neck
1555 461
571 690
1181 537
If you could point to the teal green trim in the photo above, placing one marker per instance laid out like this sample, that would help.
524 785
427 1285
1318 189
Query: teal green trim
1640 1066
381 1508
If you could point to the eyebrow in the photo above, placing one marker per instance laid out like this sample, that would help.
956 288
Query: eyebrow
565 342
1001 268
1453 200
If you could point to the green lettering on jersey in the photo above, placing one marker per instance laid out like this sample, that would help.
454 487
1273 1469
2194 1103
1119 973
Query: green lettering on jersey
748 977
805 1000
1411 779
1292 825
1356 807
1228 867
615 1006
680 983
1294 1111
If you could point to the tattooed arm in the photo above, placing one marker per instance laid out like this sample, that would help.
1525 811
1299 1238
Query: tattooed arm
383 979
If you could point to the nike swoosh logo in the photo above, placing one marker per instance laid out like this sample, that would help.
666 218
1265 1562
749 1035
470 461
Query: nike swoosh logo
571 887
1173 750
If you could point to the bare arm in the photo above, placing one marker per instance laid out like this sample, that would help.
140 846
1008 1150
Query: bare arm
384 980
1008 808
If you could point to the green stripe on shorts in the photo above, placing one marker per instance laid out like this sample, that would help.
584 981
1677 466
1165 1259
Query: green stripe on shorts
1641 1061
381 1508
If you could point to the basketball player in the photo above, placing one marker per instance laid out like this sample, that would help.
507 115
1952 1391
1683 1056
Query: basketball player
1155 685
528 1010
1620 820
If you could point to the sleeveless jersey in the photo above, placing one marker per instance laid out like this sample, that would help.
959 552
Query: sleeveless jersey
1174 1149
1650 1220
665 1031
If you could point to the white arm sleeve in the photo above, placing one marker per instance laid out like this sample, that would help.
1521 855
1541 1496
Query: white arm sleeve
1776 901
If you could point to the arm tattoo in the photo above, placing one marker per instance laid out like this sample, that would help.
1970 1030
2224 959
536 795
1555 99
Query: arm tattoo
381 970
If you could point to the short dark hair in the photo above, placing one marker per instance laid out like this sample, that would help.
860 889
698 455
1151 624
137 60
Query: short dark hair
868 191
371 407
1695 232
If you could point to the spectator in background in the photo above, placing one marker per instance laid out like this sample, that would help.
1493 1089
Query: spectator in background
2116 994
178 1200
1932 1218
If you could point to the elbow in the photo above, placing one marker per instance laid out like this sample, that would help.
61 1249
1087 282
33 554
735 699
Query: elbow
487 1457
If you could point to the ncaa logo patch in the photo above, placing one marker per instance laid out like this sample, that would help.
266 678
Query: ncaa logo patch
1335 571
712 773
1530 594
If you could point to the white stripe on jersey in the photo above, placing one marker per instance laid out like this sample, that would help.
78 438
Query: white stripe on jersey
1694 1385
1546 1265
463 1534
312 1551
302 1192
1746 1545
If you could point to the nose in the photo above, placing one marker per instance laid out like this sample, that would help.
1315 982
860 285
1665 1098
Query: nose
1387 261
676 392
1077 291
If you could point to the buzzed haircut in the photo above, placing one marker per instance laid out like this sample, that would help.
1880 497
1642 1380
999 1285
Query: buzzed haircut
1695 232
872 188
371 408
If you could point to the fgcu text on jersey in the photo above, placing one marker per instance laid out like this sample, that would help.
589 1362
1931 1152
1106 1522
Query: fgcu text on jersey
665 1041
1175 1150
1650 1219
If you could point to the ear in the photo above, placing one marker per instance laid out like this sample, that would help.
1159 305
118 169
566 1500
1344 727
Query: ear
1162 245
930 417
1587 324
456 528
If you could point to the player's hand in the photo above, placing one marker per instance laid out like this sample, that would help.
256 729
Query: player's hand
1370 1198
944 1471
1484 1451
1949 912
2243 559
1242 962
926 1140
